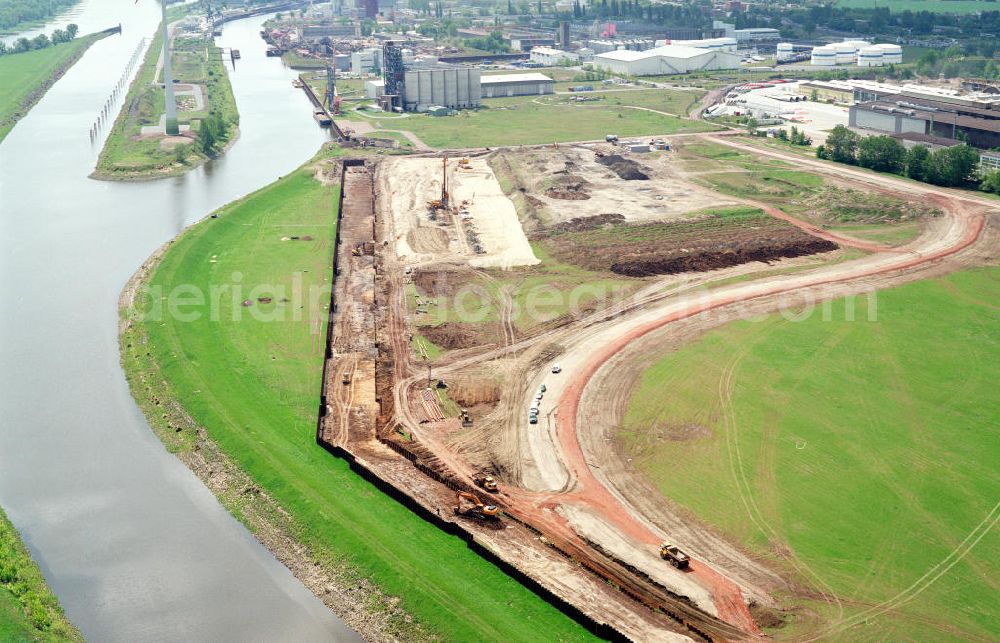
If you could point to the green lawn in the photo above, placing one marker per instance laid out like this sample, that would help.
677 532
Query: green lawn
25 77
934 6
28 610
867 449
528 120
254 385
126 154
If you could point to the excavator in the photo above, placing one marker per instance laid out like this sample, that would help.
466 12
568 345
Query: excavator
674 555
471 506
485 482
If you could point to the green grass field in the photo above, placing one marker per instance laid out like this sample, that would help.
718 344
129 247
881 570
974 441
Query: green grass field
254 385
866 449
530 120
934 6
28 610
25 77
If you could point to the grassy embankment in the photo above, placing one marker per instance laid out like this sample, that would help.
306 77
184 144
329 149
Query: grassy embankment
127 155
26 77
867 450
28 610
254 386
529 120
808 196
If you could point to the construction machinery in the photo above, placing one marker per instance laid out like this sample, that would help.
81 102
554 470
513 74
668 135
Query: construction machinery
441 203
674 556
485 482
472 507
466 419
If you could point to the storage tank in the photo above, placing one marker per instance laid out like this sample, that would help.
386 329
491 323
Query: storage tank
870 57
785 51
824 56
846 53
858 44
891 54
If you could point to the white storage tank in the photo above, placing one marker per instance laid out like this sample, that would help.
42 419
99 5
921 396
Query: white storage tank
785 50
870 57
846 53
891 54
824 56
858 44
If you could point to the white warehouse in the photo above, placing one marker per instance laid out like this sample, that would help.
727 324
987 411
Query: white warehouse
670 59
551 57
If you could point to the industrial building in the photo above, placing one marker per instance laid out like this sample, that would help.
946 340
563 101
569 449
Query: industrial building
747 37
715 44
366 60
550 57
530 84
527 43
669 59
374 88
452 87
943 114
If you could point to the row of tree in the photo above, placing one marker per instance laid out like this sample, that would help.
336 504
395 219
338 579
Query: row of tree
956 166
41 41
17 12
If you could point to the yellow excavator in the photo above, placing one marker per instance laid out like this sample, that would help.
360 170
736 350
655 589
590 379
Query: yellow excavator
471 506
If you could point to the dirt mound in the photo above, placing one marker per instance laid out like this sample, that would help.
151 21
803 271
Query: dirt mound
582 224
680 261
440 283
568 193
454 335
624 168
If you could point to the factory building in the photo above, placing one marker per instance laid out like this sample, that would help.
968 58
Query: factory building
527 43
550 57
715 44
531 84
374 89
452 87
669 59
950 115
366 60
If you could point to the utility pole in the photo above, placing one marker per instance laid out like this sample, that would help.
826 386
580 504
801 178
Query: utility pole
170 105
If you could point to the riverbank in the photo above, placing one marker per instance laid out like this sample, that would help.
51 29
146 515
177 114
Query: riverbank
134 151
27 76
28 609
240 409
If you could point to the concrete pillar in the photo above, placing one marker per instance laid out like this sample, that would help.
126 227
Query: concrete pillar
170 105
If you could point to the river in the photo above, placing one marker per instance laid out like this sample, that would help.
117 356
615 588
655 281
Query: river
134 546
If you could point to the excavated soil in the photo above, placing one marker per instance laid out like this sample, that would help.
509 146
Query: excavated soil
455 335
681 260
625 168
597 243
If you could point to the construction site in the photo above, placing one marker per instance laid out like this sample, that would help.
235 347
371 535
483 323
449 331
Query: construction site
498 424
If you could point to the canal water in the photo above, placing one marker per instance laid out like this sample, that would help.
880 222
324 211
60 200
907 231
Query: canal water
135 547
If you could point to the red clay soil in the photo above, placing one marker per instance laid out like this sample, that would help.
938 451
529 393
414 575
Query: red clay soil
727 596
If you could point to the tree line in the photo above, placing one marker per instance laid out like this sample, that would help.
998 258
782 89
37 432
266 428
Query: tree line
956 166
41 41
17 12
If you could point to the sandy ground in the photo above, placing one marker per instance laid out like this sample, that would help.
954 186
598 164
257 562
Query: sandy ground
494 216
490 213
664 197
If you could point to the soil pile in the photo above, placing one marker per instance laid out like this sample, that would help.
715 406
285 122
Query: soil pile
624 168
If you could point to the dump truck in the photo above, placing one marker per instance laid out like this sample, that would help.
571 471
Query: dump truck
472 507
485 482
674 556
